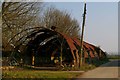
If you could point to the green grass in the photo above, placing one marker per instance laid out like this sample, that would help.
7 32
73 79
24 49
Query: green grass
113 57
87 67
39 74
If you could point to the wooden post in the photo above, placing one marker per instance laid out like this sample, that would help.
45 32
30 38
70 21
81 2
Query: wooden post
81 48
33 59
61 51
100 53
77 60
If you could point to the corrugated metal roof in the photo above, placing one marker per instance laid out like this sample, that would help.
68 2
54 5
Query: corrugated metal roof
88 46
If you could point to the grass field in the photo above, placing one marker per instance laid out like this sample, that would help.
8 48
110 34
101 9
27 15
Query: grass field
113 57
39 74
26 72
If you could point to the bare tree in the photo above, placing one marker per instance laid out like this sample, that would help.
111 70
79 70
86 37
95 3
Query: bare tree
17 16
62 20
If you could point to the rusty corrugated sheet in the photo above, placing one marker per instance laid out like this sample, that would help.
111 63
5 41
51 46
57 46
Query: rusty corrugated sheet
87 47
91 54
70 43
85 54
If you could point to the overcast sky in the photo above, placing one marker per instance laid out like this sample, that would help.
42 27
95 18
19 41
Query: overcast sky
101 27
